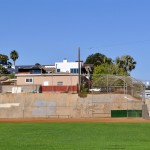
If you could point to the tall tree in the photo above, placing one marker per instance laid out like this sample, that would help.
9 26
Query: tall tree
126 62
14 56
98 59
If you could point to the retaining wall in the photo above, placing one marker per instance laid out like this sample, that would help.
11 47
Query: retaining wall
32 105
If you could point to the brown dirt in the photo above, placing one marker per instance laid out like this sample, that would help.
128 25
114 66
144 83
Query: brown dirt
75 120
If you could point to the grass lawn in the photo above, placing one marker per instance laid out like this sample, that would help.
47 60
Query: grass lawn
74 136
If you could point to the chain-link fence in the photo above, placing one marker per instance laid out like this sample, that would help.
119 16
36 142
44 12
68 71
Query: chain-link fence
114 84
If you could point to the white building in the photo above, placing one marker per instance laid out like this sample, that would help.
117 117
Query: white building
147 94
65 66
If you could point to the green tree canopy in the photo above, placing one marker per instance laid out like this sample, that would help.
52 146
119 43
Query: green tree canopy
98 59
106 66
105 69
14 56
3 57
3 70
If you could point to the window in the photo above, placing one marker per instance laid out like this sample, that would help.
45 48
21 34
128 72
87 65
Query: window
60 83
74 70
58 70
29 80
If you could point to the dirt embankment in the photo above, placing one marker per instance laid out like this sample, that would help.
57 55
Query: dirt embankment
107 120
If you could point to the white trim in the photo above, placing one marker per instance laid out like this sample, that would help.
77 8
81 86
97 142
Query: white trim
60 74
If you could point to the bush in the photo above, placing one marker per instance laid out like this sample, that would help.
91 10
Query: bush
82 94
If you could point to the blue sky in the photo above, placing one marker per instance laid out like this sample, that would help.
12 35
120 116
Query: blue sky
47 31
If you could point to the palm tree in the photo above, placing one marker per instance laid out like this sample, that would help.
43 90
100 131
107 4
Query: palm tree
14 56
126 62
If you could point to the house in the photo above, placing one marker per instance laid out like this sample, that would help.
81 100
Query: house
36 79
64 66
70 67
58 82
61 77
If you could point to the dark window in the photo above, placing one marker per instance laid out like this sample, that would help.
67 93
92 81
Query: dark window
74 70
71 70
58 70
60 83
29 80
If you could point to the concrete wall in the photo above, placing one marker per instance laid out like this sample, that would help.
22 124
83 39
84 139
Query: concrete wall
29 105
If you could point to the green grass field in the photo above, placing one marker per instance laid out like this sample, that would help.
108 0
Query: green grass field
74 136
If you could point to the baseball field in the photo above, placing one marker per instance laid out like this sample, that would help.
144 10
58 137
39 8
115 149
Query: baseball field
74 135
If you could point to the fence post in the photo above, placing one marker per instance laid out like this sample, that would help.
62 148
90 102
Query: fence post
107 83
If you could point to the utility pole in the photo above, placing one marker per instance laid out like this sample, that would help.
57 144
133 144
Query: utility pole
79 73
